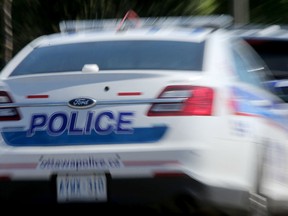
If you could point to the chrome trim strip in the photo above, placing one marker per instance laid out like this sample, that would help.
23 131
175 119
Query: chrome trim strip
102 102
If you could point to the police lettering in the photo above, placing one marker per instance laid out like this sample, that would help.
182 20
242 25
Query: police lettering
60 122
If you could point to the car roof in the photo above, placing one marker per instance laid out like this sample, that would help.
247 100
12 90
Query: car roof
192 28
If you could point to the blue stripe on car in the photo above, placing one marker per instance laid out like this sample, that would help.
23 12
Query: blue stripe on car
41 138
244 105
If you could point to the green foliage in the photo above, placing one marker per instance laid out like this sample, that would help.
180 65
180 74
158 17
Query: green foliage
269 11
32 18
37 17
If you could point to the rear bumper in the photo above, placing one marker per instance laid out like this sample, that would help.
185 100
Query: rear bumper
162 190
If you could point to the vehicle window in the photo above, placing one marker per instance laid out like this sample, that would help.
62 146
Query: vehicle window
114 55
249 66
274 53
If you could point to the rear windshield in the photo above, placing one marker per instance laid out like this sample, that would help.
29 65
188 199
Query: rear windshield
274 53
114 55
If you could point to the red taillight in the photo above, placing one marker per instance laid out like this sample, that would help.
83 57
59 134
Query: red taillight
7 113
198 100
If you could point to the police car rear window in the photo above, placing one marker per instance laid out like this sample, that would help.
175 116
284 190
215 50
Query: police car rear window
114 55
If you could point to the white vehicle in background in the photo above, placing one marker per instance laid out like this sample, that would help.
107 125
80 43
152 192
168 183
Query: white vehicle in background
161 113
271 44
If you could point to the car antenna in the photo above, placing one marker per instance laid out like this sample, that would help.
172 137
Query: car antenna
130 15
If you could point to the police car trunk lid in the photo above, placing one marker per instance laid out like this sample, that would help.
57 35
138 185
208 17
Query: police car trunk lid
96 108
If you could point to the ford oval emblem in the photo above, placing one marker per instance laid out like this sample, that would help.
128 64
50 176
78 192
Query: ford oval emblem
82 103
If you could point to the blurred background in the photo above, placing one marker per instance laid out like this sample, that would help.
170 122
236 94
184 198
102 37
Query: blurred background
24 20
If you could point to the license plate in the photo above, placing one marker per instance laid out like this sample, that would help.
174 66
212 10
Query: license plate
71 188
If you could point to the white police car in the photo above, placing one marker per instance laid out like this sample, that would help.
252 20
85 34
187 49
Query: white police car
159 114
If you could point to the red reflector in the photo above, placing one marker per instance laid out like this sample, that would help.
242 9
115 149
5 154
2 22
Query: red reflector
198 101
129 93
37 96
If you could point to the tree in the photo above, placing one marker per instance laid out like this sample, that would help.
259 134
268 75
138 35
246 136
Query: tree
37 17
7 30
269 11
33 18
